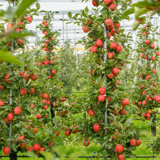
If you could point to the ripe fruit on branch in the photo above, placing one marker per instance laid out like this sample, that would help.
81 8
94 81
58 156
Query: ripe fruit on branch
120 157
34 77
117 25
110 76
147 115
9 26
57 133
154 71
110 55
17 29
35 130
96 128
139 103
144 33
2 103
42 149
110 27
20 138
67 132
99 43
10 116
32 91
119 48
51 62
6 150
53 38
7 121
95 2
102 90
157 53
45 33
48 41
94 49
113 7
20 42
117 82
45 49
37 116
46 24
123 112
147 42
30 148
144 102
115 70
53 71
106 2
101 98
90 72
45 107
152 45
125 102
46 96
17 110
133 142
23 91
119 148
86 142
108 22
115 136
109 35
50 76
23 145
29 19
144 92
147 77
32 105
113 45
138 142
6 78
85 28
91 113
36 147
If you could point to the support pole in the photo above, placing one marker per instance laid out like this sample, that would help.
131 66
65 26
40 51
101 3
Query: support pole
153 127
105 58
75 49
49 72
66 32
13 155
63 27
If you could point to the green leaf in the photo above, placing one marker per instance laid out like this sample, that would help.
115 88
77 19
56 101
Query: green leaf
59 152
137 22
10 13
86 10
140 11
18 34
23 6
32 154
38 6
8 57
2 12
68 22
70 15
47 155
128 12
75 155
143 4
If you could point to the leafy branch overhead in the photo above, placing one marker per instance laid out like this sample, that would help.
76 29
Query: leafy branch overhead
139 9
15 13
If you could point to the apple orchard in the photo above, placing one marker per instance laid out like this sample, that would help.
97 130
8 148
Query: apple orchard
38 113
